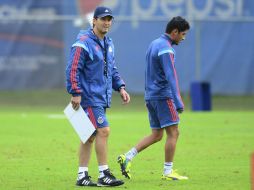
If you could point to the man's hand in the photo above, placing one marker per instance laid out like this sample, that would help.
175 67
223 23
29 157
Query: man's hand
75 101
125 96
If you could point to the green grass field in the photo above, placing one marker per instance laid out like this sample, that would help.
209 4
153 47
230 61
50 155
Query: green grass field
39 148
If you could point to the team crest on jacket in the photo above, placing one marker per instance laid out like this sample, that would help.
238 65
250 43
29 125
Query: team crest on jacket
110 49
97 47
100 120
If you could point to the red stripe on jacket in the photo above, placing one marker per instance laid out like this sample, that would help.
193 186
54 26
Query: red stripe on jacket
74 68
175 74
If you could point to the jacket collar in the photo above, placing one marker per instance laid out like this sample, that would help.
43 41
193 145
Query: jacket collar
167 37
94 37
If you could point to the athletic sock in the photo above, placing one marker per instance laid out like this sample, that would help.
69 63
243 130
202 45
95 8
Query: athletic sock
81 172
131 154
101 169
168 167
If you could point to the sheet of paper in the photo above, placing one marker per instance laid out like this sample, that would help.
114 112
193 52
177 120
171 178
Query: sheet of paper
80 122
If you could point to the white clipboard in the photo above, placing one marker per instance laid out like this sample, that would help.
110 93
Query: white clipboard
80 122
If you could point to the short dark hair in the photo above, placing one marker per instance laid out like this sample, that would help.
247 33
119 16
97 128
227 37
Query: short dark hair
178 23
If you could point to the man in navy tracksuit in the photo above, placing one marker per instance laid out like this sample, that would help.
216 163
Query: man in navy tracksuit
162 96
91 74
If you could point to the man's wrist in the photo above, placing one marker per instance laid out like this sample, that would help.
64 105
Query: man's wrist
121 87
75 95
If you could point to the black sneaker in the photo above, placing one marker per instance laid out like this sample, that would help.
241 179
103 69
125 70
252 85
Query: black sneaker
85 181
109 180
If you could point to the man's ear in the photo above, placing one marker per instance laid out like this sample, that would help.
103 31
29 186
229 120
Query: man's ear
175 31
94 19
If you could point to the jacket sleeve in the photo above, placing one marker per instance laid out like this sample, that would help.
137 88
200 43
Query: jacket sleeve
167 61
73 69
117 81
